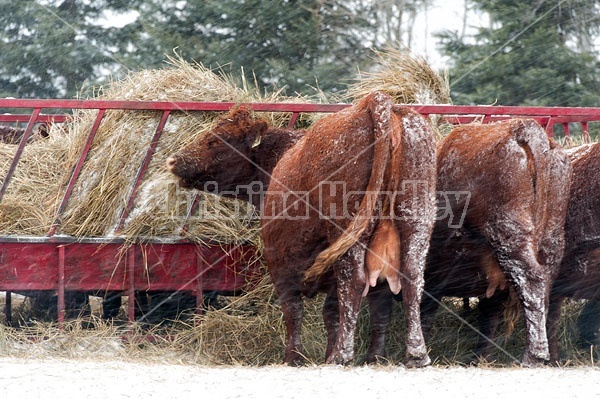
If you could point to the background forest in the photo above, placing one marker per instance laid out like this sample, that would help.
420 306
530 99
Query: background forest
539 52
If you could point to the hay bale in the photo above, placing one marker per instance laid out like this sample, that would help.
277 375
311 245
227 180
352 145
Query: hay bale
29 204
101 192
121 143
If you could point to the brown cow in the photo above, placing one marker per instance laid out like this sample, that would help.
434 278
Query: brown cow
361 180
238 136
579 275
508 187
238 153
13 135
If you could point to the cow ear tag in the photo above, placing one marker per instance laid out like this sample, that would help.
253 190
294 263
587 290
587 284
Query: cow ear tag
256 141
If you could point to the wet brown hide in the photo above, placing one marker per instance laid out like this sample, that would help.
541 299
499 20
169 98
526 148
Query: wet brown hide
513 226
579 275
363 151
309 224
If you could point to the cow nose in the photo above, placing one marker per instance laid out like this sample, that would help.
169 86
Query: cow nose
171 162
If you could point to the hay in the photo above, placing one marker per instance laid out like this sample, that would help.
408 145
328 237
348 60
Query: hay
29 204
405 76
102 190
160 207
249 330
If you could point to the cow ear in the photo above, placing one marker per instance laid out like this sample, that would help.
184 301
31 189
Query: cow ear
254 137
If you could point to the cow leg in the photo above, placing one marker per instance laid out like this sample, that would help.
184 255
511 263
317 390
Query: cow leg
351 279
414 246
429 307
490 314
380 309
531 283
331 318
416 350
292 308
552 323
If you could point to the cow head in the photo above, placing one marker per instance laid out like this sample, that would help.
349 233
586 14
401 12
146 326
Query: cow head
223 155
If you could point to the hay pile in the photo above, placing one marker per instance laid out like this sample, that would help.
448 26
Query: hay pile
405 76
29 203
103 187
119 148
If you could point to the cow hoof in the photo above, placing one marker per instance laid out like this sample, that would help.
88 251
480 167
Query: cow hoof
338 359
531 361
376 359
294 361
414 362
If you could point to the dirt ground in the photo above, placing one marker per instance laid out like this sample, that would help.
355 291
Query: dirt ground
64 378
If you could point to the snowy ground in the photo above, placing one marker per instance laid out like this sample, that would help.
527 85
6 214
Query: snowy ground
54 378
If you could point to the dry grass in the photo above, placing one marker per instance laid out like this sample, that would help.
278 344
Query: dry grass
120 145
405 76
249 330
102 190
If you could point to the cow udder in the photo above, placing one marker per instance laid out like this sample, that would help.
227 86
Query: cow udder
383 257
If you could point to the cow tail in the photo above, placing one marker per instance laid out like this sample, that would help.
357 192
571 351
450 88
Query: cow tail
533 140
364 221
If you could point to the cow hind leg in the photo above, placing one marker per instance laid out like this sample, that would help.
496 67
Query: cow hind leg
292 307
429 306
414 249
380 309
351 279
331 318
416 350
490 314
552 324
531 283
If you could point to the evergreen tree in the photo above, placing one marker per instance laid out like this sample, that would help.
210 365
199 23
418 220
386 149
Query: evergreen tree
50 49
53 48
292 44
532 53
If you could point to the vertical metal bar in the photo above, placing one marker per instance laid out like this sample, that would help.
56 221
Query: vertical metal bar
143 168
586 132
550 127
76 172
200 267
8 308
131 281
61 285
19 152
293 119
566 129
189 213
